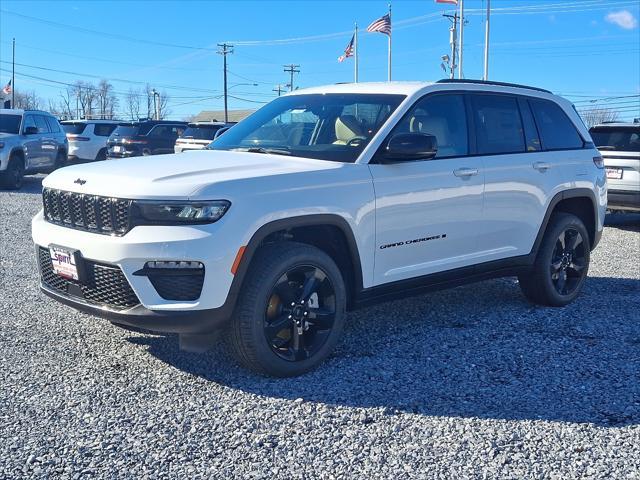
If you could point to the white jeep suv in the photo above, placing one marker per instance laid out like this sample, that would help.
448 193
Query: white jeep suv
325 200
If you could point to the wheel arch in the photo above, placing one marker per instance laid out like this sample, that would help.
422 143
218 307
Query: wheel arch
330 233
580 202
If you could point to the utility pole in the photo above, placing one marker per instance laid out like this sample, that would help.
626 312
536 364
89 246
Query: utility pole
461 38
13 76
356 47
225 49
485 77
291 69
453 41
156 103
279 89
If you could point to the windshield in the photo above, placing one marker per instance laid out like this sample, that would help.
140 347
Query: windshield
201 132
333 127
623 139
74 128
126 130
10 123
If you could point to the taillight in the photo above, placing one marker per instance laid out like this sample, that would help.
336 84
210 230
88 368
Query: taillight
77 138
133 140
598 161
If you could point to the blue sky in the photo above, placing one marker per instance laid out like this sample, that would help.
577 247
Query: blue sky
587 49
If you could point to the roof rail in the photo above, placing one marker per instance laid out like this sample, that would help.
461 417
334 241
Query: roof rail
489 82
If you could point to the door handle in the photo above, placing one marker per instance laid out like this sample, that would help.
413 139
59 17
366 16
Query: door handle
465 172
541 166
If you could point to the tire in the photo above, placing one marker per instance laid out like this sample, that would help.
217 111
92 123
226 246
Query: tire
13 176
102 155
561 265
266 327
146 152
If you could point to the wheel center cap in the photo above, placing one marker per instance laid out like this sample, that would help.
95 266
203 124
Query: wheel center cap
298 312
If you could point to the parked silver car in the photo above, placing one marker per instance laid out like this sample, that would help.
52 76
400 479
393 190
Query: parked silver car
31 141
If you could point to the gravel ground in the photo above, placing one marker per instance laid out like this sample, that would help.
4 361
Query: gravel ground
467 383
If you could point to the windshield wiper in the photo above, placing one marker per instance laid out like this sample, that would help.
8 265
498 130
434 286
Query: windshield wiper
275 151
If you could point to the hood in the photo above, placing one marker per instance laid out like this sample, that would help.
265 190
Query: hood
176 175
4 135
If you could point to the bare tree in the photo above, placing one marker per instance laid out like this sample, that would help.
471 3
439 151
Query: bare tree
596 115
27 100
107 101
132 103
163 108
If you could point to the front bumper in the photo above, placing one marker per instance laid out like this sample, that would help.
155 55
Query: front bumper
182 322
131 252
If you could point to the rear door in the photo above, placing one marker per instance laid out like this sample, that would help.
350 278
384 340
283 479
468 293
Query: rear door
48 143
33 153
529 148
429 212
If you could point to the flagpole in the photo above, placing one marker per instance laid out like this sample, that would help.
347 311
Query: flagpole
389 73
13 76
461 38
356 47
486 44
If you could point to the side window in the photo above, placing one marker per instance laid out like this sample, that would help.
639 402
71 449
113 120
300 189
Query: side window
498 125
159 131
530 131
556 130
103 129
29 121
442 116
176 130
41 123
53 124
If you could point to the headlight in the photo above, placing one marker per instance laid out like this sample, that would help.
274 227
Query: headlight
178 213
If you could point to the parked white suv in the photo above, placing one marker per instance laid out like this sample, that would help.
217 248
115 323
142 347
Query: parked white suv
619 144
325 200
88 139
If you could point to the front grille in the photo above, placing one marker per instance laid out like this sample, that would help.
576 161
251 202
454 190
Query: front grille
105 215
105 285
178 286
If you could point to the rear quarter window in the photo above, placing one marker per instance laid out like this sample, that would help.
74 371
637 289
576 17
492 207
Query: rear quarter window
557 132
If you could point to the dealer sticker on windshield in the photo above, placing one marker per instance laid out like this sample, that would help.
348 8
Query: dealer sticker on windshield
64 262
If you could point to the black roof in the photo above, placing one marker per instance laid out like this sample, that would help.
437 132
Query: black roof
154 122
490 82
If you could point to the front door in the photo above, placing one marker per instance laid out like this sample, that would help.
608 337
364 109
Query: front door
428 212
34 156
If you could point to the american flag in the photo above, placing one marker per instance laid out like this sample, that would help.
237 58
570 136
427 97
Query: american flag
7 88
348 52
382 25
452 2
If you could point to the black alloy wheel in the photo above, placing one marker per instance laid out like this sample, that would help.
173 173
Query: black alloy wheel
568 261
300 313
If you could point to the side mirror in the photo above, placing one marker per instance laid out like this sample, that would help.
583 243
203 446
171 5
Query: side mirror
30 130
404 147
220 131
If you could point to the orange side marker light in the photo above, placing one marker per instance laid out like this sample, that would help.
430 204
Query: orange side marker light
236 262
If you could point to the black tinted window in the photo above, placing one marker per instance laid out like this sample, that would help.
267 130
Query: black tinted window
54 126
498 124
10 123
41 123
442 116
74 128
201 132
103 129
623 139
126 130
556 130
530 130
